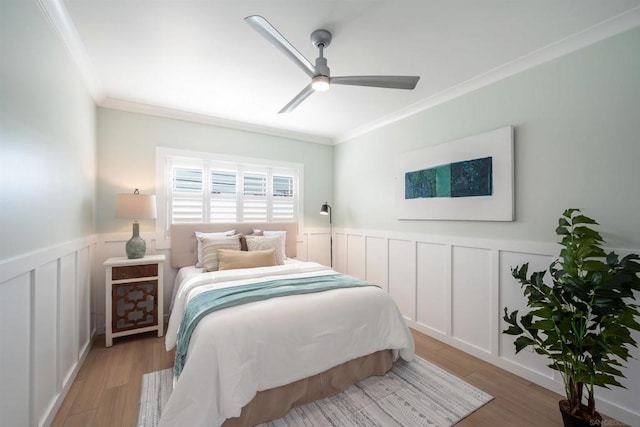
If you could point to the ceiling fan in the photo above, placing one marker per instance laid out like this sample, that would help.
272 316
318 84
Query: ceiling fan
321 79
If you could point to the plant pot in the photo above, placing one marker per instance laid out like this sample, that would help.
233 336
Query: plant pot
581 419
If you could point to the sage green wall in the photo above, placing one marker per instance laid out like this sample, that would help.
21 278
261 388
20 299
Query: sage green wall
577 144
127 154
47 137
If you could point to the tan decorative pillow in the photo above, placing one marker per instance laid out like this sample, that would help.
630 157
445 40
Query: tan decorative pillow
210 248
230 259
257 243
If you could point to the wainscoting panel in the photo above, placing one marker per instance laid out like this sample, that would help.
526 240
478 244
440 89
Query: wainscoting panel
340 251
455 290
471 297
45 329
84 267
376 261
15 365
402 276
315 247
67 336
511 296
46 337
356 256
433 298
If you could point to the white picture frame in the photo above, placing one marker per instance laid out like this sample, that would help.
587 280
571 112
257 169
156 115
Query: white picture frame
499 206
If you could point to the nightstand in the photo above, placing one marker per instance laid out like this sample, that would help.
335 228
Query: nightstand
133 296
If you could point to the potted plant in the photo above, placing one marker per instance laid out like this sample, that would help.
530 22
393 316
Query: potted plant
583 321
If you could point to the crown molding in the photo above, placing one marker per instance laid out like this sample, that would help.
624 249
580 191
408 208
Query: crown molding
56 14
601 31
152 110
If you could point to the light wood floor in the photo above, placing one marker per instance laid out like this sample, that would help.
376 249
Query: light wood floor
107 388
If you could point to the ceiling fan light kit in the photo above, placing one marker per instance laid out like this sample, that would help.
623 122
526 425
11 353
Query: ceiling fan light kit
321 79
320 83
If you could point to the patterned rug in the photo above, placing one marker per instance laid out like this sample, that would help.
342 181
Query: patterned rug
412 394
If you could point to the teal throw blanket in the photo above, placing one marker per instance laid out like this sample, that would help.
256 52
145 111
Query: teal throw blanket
217 299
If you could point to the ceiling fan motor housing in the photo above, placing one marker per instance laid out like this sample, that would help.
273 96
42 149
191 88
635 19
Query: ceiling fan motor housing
321 38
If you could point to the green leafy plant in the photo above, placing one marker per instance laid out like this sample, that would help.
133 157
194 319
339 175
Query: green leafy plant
583 321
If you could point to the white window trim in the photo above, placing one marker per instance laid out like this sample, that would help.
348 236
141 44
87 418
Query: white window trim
163 172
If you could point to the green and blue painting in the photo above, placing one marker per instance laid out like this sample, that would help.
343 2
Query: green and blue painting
469 178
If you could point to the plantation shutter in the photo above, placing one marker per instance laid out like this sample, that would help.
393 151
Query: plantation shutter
224 201
254 207
187 205
200 191
283 204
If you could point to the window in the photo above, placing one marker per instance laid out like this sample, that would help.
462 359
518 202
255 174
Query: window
203 187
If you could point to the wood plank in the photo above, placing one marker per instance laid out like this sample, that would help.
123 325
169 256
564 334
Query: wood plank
111 408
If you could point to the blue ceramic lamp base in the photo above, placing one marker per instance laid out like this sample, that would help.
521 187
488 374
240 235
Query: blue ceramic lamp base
136 246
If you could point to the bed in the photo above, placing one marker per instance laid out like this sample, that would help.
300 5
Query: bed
249 363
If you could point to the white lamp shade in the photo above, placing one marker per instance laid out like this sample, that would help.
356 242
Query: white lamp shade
136 206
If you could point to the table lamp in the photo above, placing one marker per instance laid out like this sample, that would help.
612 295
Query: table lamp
136 206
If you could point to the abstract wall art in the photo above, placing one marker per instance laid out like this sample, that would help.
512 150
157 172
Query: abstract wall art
466 179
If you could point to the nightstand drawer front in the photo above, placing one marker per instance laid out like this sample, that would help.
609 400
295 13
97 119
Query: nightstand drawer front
134 305
134 271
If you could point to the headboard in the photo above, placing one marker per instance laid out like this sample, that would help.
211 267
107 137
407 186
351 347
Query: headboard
184 245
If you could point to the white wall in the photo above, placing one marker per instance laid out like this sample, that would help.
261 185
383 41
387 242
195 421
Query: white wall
48 149
47 198
576 145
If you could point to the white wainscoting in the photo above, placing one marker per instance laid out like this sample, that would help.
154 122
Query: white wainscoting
45 329
455 290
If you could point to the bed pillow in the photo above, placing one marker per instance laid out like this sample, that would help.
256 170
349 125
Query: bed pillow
243 241
210 248
229 259
283 238
217 235
257 243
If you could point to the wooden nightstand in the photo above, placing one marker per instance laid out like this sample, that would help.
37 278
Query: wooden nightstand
133 296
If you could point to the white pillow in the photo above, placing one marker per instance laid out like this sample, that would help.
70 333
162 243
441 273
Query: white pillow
259 243
203 235
283 238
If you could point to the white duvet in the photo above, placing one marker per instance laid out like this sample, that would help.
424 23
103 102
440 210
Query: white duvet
238 351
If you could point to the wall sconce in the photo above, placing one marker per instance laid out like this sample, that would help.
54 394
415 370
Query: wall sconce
325 209
136 206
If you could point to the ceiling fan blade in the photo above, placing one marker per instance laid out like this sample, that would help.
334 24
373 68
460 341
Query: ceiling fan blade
267 30
392 82
304 93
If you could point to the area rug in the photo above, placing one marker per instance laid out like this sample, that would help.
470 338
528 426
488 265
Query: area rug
414 394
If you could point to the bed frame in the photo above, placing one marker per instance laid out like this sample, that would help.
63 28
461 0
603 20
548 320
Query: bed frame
184 245
276 402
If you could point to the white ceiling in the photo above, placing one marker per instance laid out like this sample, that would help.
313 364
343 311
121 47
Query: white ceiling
199 60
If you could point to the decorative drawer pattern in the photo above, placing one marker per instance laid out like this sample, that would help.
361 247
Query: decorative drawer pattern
134 305
135 271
